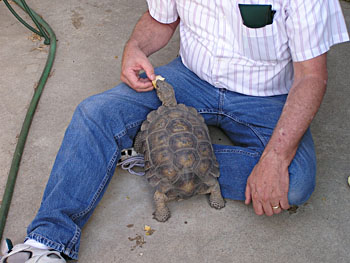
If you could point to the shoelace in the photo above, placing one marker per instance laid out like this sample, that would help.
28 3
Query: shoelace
134 161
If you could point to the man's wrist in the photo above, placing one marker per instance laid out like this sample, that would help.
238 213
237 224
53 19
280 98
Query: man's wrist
282 156
132 43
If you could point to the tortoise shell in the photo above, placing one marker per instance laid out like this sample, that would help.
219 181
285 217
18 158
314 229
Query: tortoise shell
179 157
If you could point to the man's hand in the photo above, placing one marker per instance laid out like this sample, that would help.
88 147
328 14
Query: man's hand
134 60
148 36
267 185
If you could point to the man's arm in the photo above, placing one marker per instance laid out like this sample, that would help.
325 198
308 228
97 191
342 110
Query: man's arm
268 183
148 37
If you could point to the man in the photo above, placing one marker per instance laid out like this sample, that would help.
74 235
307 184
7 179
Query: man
257 72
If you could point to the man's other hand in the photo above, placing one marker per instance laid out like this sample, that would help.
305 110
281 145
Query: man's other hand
267 185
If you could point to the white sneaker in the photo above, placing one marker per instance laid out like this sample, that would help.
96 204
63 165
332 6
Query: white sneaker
130 160
127 153
23 253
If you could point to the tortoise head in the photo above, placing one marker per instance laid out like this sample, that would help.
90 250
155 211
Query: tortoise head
165 92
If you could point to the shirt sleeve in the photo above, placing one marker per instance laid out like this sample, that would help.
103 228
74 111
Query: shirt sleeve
164 11
313 26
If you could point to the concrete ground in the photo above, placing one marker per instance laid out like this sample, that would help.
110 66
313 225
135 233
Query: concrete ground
91 36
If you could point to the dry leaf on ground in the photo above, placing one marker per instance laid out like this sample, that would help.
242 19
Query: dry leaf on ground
140 241
149 230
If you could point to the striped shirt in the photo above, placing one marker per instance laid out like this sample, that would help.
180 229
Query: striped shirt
220 49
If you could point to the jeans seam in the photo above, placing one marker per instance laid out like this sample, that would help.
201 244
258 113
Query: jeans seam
234 118
73 240
127 127
52 244
39 238
99 189
255 154
207 111
108 174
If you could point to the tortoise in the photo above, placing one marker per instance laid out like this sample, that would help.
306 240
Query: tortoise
179 157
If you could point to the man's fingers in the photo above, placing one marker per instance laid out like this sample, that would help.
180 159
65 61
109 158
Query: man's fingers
146 81
276 207
137 83
134 60
144 89
134 81
277 211
258 208
267 208
149 70
248 196
284 203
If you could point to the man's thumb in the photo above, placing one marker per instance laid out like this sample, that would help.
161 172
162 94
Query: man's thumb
148 68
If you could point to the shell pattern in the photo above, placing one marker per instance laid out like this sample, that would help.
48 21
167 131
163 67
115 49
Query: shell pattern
179 157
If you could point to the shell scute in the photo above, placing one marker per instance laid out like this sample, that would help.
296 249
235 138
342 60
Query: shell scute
158 124
152 116
176 113
182 140
157 139
183 107
201 133
161 155
168 173
186 159
204 166
206 149
179 125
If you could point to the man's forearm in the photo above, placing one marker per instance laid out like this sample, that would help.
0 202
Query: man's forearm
150 35
268 183
302 104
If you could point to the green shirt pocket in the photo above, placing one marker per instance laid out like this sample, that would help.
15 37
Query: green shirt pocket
256 16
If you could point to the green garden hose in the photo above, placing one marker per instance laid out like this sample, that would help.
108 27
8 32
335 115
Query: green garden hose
25 7
50 38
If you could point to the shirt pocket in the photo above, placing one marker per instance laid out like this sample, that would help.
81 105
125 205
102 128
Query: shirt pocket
260 44
256 16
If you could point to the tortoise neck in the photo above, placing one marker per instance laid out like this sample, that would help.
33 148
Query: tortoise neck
169 103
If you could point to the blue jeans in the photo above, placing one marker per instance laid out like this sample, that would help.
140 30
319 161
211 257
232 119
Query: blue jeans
104 124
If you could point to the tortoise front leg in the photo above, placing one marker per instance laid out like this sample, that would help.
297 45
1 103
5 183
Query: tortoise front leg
162 212
215 200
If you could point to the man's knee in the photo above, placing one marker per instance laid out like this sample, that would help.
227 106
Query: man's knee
298 196
302 185
90 108
302 172
100 106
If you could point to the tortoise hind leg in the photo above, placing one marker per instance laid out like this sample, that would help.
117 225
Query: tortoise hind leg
215 200
162 212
